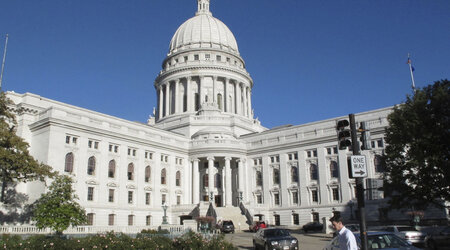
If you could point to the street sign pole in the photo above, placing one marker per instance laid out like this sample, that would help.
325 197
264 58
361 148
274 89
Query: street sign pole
359 186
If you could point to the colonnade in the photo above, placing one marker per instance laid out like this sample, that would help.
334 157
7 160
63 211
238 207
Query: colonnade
227 188
235 97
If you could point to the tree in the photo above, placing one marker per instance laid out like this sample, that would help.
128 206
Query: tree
58 209
16 163
417 152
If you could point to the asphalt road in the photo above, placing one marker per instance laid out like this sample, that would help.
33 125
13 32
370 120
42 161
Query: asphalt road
310 241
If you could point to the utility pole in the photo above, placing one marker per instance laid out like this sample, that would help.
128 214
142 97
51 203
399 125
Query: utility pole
359 185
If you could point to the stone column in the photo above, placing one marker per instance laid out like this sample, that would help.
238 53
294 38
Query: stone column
177 96
167 108
195 182
228 192
244 105
225 95
189 94
210 175
214 99
200 80
238 98
241 175
161 104
250 103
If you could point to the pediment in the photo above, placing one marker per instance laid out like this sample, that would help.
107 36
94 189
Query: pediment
92 182
147 188
112 184
131 186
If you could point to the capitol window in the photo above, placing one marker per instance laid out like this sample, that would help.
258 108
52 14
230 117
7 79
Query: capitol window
218 58
111 168
147 174
295 197
259 178
111 195
130 172
163 176
293 156
205 180
276 199
111 219
90 196
196 57
335 194
314 172
130 197
314 196
275 159
311 153
68 166
178 179
147 198
294 174
276 176
91 166
207 57
130 220
334 169
90 219
93 144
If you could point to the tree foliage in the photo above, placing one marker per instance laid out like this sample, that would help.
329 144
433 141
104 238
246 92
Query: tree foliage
417 151
58 209
16 163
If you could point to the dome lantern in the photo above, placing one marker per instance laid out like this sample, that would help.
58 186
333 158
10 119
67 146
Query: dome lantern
203 7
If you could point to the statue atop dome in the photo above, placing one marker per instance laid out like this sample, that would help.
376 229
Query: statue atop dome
203 7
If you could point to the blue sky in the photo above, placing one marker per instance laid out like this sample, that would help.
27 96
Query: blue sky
310 59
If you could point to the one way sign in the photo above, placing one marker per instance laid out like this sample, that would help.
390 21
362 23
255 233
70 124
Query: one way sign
359 166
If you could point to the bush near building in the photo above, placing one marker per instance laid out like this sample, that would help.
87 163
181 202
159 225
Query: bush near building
119 241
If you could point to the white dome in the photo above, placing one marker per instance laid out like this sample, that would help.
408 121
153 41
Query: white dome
203 31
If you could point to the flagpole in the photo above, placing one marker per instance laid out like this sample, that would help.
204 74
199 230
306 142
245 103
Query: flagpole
3 62
412 75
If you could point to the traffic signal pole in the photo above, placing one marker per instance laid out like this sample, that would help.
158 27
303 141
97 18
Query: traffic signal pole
359 185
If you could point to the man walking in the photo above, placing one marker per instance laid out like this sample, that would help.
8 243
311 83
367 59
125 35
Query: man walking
346 238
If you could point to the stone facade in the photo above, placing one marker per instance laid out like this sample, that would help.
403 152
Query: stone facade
203 144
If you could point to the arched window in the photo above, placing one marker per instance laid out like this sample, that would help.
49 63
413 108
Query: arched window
314 172
178 179
276 176
68 166
259 178
163 176
112 168
91 166
218 181
147 174
334 170
130 172
205 180
219 101
294 174
378 163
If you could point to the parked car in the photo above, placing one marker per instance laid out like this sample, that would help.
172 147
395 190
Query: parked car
226 226
377 240
439 239
312 226
274 238
257 225
408 233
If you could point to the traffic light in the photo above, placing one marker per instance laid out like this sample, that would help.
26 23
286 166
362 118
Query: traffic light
365 136
344 134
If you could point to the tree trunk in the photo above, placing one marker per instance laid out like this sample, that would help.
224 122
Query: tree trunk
2 198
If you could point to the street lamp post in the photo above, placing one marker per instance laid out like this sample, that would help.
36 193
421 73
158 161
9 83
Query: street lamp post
164 207
211 197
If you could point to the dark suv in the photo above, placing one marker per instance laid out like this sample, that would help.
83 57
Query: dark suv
226 226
